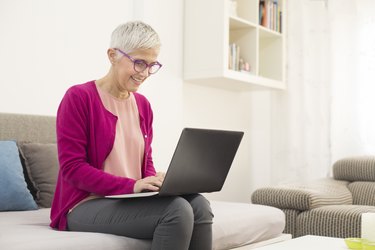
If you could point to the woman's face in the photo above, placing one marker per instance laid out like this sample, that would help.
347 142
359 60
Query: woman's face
127 79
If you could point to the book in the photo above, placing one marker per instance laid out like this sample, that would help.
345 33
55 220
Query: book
270 14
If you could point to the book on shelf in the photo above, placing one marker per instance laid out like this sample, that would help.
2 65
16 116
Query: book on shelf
270 14
234 56
235 61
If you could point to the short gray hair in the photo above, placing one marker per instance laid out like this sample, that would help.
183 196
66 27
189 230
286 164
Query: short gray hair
134 35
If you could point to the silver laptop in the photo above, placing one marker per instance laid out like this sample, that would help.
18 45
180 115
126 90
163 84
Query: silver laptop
200 163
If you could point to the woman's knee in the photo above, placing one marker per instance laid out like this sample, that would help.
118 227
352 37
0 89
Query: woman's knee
179 211
201 209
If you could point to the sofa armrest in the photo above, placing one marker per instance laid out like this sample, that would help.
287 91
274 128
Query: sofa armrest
305 196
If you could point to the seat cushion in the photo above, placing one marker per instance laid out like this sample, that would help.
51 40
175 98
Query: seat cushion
341 221
30 230
235 224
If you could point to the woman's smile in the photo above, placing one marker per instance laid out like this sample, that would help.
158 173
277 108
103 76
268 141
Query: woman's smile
137 80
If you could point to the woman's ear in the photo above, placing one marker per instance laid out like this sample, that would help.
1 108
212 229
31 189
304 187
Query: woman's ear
112 55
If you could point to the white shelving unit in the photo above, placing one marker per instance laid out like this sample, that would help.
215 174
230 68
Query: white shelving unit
210 27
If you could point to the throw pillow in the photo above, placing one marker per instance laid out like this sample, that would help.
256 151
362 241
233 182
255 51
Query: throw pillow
14 194
42 166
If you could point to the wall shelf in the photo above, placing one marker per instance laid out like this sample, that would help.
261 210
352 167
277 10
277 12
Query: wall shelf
208 58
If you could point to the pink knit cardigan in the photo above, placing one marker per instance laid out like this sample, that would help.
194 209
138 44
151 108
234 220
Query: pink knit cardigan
85 136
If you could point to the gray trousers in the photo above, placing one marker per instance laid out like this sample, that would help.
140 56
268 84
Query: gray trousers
176 222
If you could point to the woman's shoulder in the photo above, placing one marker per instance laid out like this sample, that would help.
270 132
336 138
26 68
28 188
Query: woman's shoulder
144 106
83 88
141 99
82 94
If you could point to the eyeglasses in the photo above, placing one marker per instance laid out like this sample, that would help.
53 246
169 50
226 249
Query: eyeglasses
141 65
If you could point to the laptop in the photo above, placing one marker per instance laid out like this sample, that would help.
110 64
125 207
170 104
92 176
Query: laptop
200 163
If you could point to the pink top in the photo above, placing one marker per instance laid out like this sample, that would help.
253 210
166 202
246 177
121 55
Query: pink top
126 156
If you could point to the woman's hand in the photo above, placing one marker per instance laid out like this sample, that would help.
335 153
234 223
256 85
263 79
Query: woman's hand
151 183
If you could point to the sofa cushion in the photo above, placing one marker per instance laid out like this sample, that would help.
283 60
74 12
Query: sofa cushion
14 194
304 196
235 224
42 166
360 168
363 193
340 221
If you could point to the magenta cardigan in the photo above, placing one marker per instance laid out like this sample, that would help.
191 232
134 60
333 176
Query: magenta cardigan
85 136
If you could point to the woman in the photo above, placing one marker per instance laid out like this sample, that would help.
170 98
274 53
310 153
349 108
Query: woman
104 135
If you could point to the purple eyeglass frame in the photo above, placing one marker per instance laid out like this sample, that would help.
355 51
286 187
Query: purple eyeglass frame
142 61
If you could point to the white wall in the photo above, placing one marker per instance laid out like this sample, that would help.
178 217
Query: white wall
48 45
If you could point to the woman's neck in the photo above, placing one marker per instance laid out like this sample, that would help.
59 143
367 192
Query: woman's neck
109 85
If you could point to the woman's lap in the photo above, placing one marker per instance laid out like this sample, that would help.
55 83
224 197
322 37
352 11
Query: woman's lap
136 217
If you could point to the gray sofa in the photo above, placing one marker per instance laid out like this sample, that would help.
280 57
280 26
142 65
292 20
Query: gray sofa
329 206
236 225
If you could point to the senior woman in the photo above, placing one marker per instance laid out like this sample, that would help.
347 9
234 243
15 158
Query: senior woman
104 135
